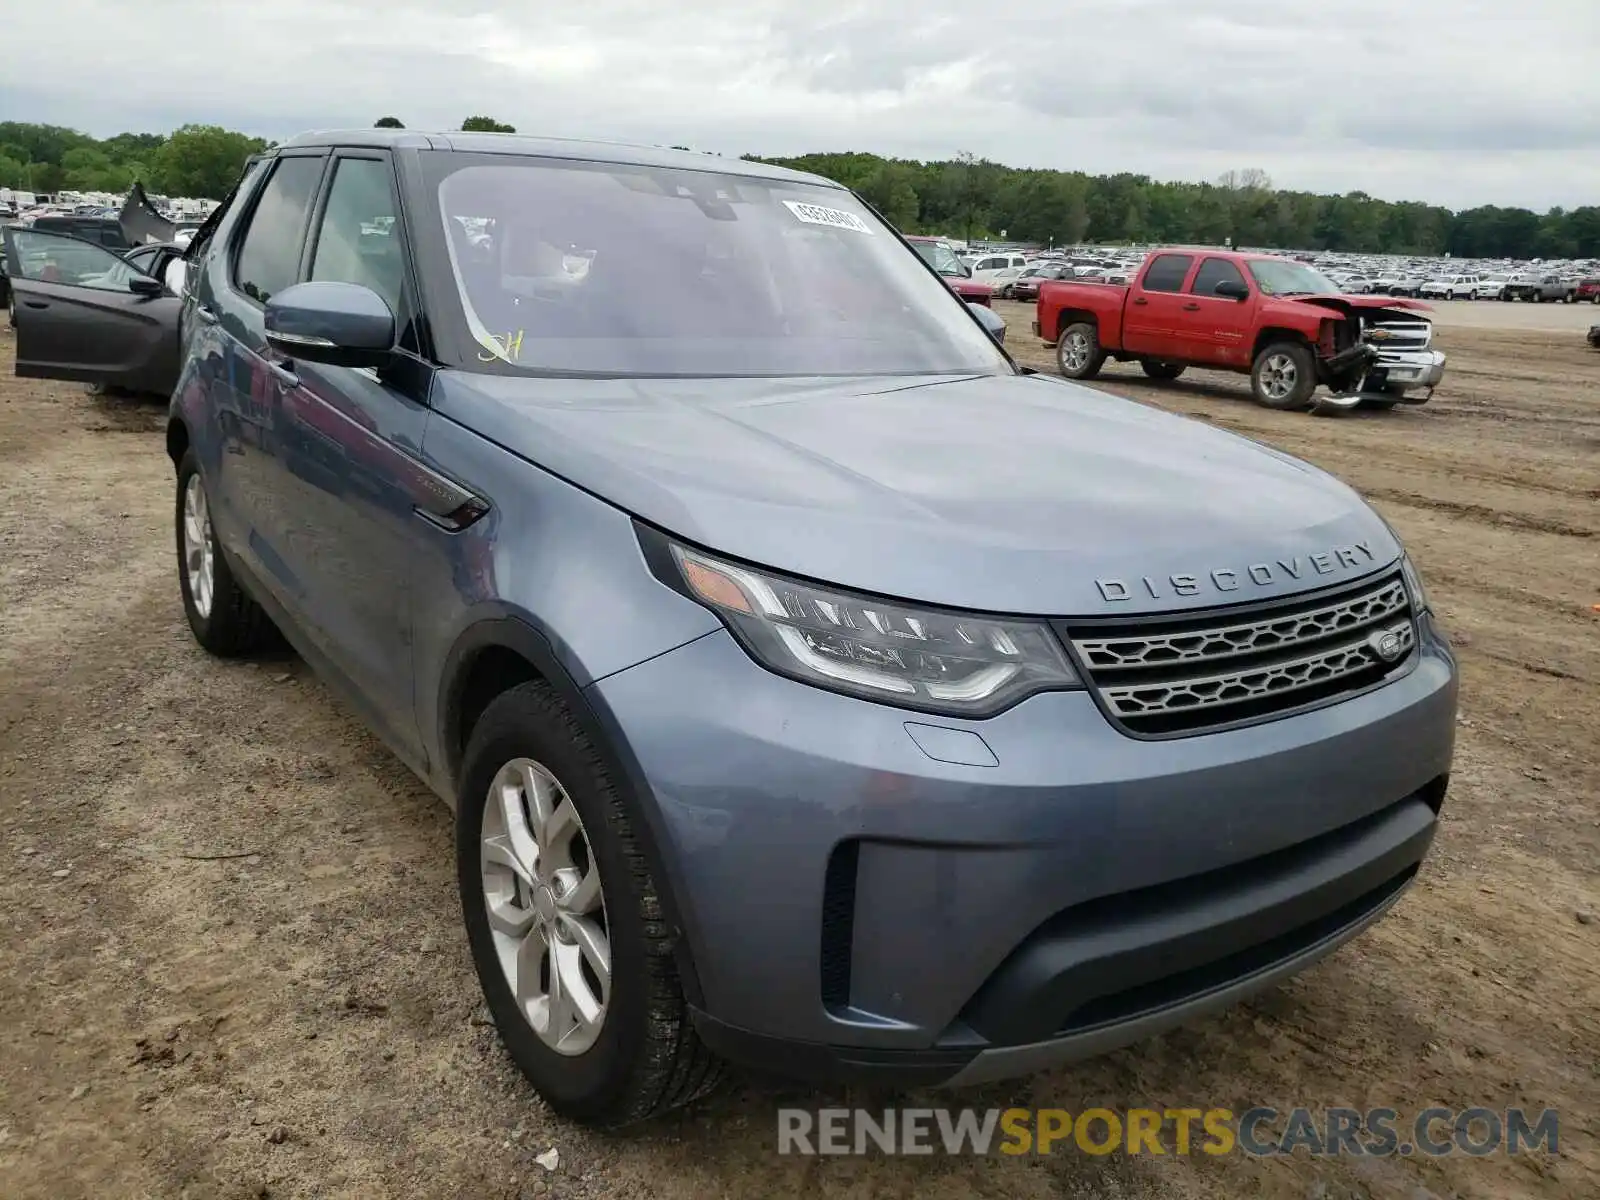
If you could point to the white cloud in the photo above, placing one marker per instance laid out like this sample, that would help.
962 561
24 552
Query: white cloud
1460 102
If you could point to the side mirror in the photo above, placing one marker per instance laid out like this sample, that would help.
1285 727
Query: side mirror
990 320
342 324
1231 289
144 285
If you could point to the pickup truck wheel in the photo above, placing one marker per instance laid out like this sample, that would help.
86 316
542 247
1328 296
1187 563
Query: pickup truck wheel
564 920
1284 376
1078 353
1161 370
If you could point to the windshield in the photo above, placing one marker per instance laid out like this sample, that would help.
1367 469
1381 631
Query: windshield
603 269
1276 277
940 257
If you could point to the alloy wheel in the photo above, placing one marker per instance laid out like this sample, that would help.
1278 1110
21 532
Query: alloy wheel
546 908
199 549
1279 376
1076 354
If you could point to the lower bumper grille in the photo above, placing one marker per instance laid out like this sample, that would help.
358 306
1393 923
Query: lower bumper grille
1166 677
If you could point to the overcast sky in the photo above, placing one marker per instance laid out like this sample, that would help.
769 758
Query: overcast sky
1457 102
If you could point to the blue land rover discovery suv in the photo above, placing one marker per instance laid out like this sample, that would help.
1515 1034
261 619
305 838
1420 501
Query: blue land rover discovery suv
813 687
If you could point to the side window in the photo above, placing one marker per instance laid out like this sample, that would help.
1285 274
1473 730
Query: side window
57 258
1166 272
1212 272
359 239
269 256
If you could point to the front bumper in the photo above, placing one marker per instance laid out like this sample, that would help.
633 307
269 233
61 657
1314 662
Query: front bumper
874 894
1411 368
1395 375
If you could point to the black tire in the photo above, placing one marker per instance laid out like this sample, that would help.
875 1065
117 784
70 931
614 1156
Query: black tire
235 625
1162 371
1303 384
1095 356
646 1057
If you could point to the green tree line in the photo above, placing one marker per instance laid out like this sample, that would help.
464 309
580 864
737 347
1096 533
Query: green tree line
197 160
962 197
968 197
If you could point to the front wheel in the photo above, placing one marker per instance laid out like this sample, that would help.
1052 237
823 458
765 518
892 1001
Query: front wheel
1078 353
1162 371
1284 376
564 921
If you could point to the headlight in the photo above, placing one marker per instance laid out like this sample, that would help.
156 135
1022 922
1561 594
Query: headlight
962 664
1413 581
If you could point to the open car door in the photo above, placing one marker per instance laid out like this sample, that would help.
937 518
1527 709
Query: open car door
83 313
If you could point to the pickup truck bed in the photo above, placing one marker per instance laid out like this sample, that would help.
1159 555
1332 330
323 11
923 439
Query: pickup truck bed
1274 319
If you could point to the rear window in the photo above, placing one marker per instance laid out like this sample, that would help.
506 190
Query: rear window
1167 272
586 268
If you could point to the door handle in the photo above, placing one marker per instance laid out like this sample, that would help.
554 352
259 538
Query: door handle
36 304
205 314
1141 300
1191 307
284 373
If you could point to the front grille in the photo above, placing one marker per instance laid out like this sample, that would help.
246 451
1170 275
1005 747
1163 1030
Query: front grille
1399 333
1171 676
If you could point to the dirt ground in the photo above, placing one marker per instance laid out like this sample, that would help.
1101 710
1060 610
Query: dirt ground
231 963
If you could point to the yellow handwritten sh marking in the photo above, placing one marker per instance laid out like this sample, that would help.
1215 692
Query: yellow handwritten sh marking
510 347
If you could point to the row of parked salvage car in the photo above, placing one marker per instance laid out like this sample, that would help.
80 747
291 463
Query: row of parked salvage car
1536 288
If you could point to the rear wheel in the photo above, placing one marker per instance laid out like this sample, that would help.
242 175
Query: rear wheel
223 618
1284 376
1078 353
565 923
1161 370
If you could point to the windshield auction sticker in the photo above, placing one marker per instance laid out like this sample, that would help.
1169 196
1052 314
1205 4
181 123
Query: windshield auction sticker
837 218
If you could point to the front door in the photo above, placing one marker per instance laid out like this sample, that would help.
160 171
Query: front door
1218 329
83 313
340 447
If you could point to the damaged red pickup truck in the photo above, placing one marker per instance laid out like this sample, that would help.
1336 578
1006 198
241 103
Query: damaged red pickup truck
1278 320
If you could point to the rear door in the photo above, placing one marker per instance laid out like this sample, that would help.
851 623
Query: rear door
1153 318
77 318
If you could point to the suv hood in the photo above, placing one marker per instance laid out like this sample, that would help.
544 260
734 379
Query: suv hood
1013 494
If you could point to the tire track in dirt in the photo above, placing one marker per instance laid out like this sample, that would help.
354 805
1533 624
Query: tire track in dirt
1480 513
